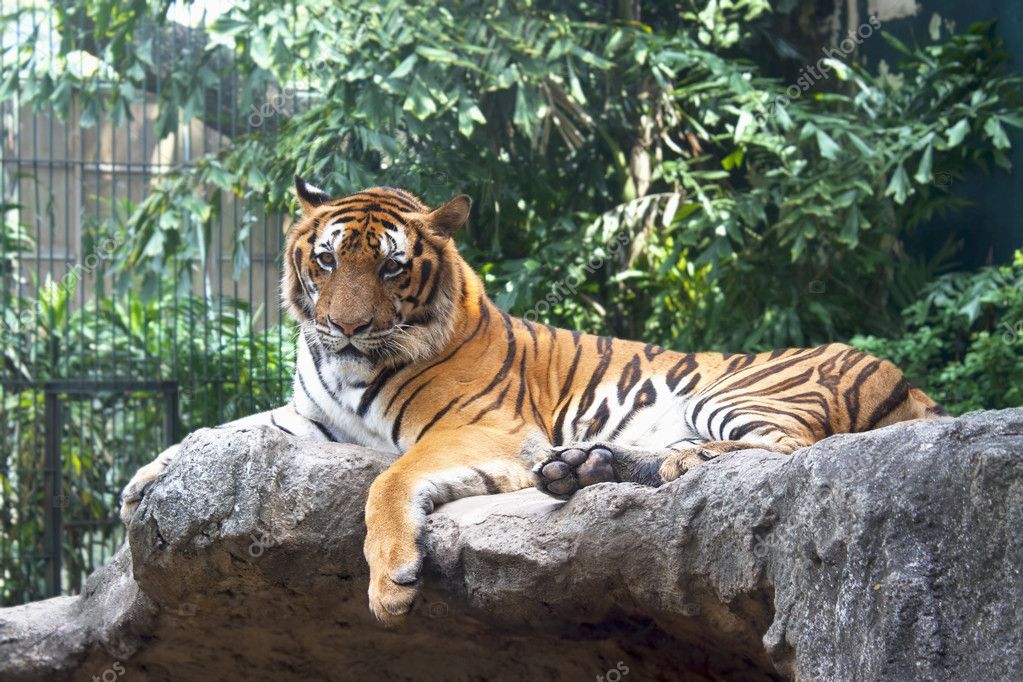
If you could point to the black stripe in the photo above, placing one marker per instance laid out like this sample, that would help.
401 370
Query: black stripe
346 208
532 332
740 362
560 421
556 438
761 409
599 421
274 422
604 347
509 359
367 201
539 417
778 388
436 418
425 268
645 397
775 368
317 355
898 395
571 374
520 398
296 258
394 212
438 280
682 368
749 427
710 420
325 431
492 406
651 351
629 378
489 484
396 427
305 389
851 395
370 394
396 196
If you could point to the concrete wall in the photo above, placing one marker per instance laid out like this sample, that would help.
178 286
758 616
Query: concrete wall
65 177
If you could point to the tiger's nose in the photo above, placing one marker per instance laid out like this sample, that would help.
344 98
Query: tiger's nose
350 328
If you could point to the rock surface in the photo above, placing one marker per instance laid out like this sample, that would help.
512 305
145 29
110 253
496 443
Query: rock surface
895 554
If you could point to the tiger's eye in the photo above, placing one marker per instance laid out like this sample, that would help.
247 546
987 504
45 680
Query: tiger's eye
390 268
326 261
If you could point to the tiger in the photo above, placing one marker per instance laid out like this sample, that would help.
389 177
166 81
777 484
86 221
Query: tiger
399 348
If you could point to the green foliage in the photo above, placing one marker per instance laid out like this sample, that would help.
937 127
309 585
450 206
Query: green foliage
750 223
963 341
225 368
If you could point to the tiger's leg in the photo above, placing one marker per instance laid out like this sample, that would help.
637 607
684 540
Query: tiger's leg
285 419
727 424
441 467
561 471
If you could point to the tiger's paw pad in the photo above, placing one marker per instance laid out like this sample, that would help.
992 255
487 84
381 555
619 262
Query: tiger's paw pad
569 469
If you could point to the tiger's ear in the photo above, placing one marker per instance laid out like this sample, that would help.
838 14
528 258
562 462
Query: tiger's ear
446 220
309 196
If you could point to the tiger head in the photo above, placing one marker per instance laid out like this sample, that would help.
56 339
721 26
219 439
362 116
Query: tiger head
374 276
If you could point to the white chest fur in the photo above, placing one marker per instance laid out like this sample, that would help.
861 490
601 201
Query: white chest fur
331 391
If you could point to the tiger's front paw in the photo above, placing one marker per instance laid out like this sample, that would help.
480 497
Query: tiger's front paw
393 578
568 469
390 601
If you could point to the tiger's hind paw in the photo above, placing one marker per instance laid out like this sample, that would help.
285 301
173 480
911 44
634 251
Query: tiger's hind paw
678 463
570 468
140 483
692 455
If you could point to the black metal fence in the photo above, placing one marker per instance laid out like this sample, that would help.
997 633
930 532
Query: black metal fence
87 545
95 381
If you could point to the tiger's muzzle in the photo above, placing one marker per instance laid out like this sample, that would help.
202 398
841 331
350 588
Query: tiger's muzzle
364 344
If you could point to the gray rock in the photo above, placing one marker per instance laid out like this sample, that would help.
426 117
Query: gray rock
894 554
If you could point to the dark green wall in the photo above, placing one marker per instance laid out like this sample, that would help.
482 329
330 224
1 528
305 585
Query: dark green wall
993 226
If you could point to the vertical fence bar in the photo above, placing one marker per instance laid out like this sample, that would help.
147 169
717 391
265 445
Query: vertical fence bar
170 414
53 499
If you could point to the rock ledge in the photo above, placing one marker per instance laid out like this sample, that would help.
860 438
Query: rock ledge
895 554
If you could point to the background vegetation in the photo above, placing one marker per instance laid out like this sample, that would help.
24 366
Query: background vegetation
575 125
